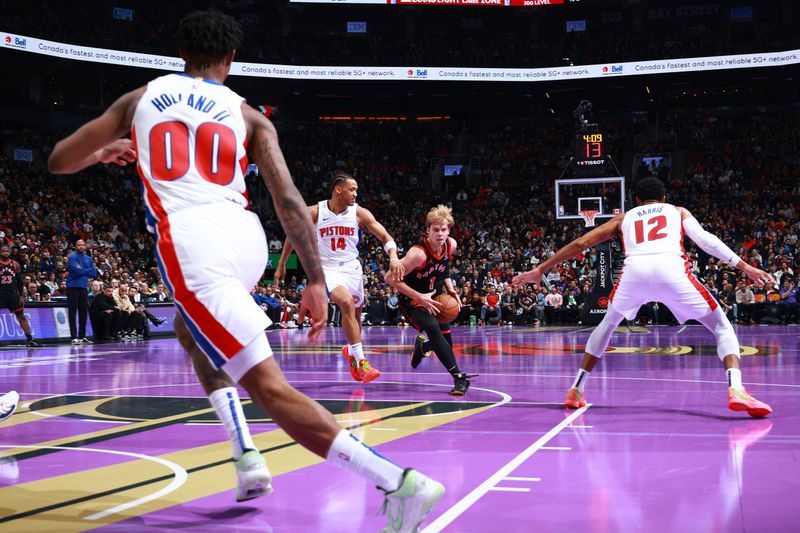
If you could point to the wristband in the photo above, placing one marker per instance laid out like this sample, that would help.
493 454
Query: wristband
734 261
389 245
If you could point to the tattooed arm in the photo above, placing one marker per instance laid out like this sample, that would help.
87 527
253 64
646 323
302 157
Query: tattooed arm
292 210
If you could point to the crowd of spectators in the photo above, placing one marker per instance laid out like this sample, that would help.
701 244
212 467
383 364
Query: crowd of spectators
740 180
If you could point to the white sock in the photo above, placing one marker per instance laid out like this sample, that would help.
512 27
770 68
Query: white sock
580 379
350 453
734 378
229 410
357 351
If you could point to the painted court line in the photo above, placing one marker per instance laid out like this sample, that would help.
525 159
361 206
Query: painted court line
467 501
509 489
567 448
179 476
515 478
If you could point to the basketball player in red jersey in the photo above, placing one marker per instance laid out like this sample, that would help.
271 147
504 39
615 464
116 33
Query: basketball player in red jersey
189 135
11 293
338 223
655 269
427 273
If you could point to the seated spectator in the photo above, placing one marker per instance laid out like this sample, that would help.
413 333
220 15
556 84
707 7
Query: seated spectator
105 315
553 303
490 311
788 302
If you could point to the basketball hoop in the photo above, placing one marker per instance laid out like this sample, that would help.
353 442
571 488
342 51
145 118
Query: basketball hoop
588 217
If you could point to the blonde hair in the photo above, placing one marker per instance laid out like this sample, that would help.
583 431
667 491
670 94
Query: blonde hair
440 213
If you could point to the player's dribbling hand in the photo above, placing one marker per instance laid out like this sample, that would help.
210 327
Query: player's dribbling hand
315 304
396 269
759 277
531 276
428 303
119 152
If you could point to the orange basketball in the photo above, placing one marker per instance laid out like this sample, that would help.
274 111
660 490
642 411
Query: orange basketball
449 310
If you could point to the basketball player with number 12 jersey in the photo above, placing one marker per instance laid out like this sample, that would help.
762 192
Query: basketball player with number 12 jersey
656 269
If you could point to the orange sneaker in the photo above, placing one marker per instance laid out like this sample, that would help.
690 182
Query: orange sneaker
351 362
368 373
575 399
739 400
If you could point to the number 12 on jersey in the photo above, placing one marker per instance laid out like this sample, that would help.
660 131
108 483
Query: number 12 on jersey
658 223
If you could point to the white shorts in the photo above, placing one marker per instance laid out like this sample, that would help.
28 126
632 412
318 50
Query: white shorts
210 256
351 277
664 278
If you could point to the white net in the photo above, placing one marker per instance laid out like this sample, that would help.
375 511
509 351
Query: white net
588 216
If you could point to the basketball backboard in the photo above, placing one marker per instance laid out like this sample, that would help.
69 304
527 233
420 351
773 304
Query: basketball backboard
604 195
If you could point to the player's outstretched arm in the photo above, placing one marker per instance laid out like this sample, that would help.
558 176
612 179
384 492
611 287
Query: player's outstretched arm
98 141
600 234
286 251
367 219
292 212
712 245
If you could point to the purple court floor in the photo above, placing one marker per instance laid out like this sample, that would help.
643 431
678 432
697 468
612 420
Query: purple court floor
120 438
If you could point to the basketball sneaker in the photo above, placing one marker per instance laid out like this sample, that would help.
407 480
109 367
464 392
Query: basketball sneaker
252 476
8 404
406 507
575 399
418 354
33 343
351 362
367 372
739 400
460 384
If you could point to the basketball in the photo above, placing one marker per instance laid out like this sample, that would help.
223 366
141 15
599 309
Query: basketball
449 310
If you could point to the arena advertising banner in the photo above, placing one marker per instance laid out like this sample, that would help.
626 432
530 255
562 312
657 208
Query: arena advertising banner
415 73
597 302
51 323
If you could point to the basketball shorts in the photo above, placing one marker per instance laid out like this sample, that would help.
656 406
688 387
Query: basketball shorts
210 257
350 276
664 278
10 300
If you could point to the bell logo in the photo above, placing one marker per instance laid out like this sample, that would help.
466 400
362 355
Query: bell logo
605 69
410 72
8 39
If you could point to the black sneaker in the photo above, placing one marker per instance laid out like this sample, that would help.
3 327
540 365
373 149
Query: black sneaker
460 384
417 355
33 343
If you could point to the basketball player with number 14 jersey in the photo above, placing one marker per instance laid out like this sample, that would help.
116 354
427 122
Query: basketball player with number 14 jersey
337 223
190 135
656 269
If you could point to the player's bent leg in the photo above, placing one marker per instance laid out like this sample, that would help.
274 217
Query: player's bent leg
360 368
409 494
595 348
728 351
443 349
252 475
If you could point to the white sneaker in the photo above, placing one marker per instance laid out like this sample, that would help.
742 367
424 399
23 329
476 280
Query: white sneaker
408 506
86 341
76 342
253 477
8 404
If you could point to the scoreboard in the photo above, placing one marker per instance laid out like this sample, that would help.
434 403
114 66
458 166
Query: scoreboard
590 149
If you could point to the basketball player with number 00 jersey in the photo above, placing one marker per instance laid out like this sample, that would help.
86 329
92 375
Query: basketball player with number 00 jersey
189 133
656 268
338 223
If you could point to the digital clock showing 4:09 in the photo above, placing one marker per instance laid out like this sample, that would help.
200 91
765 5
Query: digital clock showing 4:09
591 146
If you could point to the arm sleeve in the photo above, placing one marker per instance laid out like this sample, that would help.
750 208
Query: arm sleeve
709 243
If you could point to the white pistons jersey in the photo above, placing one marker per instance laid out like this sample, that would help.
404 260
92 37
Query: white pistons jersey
189 135
652 229
337 237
